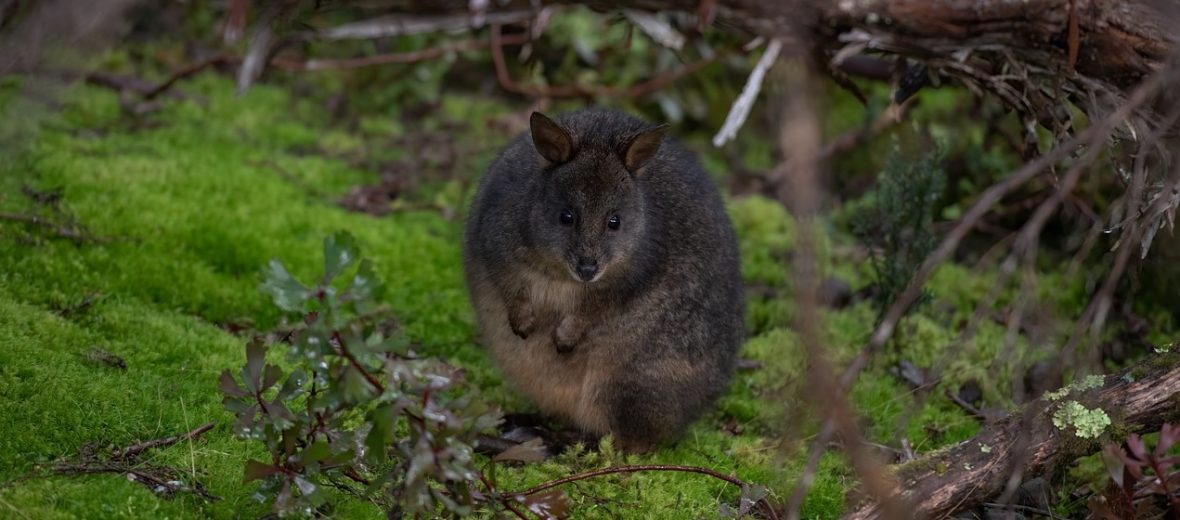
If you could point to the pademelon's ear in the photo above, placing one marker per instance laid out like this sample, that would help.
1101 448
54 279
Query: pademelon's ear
642 147
552 141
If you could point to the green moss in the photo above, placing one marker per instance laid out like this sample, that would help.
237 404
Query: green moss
189 212
190 207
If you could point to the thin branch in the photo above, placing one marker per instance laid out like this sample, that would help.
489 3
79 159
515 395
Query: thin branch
888 118
71 232
133 451
186 72
745 101
380 388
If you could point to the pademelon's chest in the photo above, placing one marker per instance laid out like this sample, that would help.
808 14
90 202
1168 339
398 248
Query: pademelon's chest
549 295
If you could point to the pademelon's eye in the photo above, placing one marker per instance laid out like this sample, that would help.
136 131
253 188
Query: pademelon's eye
614 222
567 217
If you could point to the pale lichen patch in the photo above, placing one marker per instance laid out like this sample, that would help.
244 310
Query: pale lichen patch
1086 423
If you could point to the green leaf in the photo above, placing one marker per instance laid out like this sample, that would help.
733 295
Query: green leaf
252 372
306 488
280 415
355 387
256 470
383 419
340 251
293 386
271 375
286 292
751 495
314 453
366 285
236 406
229 387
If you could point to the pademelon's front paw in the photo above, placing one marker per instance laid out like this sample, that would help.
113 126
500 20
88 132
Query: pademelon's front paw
522 321
568 333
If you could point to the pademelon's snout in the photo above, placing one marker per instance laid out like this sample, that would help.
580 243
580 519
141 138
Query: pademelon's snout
587 269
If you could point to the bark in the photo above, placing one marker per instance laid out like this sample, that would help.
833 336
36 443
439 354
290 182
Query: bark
1028 444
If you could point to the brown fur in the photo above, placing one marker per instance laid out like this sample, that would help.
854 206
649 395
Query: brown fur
629 330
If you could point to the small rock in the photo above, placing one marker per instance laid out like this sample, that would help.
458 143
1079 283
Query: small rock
102 357
748 365
970 392
1035 493
834 292
909 373
1041 377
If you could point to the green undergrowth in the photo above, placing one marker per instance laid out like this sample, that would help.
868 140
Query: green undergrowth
186 205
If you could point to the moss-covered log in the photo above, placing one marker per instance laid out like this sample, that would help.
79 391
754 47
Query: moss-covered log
1040 439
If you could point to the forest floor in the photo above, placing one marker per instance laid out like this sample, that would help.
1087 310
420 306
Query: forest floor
139 285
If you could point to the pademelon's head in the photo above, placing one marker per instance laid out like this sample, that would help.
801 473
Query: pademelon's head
590 217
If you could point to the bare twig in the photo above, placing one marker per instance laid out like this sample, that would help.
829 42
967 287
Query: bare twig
891 116
160 479
133 451
69 231
745 101
186 72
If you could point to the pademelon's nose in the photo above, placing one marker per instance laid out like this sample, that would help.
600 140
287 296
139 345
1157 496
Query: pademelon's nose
587 268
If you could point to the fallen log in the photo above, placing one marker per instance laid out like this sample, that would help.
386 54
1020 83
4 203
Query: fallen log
1040 439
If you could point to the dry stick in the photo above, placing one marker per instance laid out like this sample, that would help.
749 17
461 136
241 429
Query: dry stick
800 142
745 101
186 72
135 450
892 115
60 230
770 512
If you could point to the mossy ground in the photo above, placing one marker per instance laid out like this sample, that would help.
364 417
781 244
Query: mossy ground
191 201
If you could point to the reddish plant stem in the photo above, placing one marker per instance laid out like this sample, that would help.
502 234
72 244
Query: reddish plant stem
504 499
356 364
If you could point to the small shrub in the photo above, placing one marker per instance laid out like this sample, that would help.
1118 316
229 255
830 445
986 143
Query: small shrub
358 404
897 224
